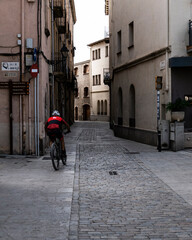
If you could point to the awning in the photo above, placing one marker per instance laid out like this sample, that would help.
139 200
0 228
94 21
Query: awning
176 62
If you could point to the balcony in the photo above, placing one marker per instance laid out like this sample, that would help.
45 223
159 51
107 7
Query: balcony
57 8
60 68
61 24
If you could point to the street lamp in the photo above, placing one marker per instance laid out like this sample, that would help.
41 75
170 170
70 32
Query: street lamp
64 53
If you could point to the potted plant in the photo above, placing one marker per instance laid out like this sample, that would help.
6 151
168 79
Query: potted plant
177 109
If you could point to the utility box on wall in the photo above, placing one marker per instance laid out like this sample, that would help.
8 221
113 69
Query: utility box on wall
164 128
177 136
29 43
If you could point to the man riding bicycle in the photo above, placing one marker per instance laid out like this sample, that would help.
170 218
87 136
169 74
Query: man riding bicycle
54 129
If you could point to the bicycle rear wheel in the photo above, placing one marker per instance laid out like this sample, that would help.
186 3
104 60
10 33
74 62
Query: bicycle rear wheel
54 156
64 159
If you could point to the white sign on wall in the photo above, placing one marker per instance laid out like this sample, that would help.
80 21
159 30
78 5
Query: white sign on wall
10 66
162 65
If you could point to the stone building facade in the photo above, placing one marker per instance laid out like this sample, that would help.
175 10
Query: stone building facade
148 39
99 55
83 92
34 34
92 100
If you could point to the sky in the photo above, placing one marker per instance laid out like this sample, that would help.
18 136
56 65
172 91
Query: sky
89 28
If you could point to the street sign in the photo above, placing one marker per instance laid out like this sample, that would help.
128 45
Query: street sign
10 66
158 120
34 70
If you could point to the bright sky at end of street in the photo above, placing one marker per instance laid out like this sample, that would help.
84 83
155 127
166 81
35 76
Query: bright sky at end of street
90 26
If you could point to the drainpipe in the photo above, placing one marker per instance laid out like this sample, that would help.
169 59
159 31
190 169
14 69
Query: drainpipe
35 98
30 130
167 54
53 57
22 69
38 114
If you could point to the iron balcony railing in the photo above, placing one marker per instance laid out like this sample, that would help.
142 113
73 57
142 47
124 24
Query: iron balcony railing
60 65
57 8
61 24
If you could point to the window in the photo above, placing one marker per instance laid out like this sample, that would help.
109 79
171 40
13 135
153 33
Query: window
94 80
102 107
96 54
76 93
105 108
99 53
132 106
119 42
97 80
86 69
107 51
76 71
120 107
86 92
131 34
98 107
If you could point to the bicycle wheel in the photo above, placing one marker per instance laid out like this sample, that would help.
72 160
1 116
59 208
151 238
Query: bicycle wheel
64 158
54 156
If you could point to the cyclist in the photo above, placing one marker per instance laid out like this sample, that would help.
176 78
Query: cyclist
54 127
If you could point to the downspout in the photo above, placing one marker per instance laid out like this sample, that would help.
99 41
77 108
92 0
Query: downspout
38 114
22 77
30 125
167 53
53 57
65 69
35 98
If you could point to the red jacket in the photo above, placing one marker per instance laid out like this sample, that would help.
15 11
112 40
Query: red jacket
55 122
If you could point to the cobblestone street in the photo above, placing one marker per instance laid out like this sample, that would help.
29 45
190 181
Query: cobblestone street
119 198
111 188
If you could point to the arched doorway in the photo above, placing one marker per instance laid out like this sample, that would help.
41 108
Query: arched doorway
86 112
120 107
105 111
132 106
98 108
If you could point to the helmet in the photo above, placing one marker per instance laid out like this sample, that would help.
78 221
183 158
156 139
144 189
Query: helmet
55 113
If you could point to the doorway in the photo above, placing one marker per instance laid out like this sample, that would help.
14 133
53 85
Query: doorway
86 112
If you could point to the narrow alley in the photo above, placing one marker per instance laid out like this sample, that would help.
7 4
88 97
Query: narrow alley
111 188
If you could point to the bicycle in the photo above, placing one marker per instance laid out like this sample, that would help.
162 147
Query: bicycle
56 154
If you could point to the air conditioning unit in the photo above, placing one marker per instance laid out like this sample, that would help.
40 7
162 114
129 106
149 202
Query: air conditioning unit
31 0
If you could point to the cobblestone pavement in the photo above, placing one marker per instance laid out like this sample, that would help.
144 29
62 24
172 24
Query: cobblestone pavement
35 200
117 197
111 188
